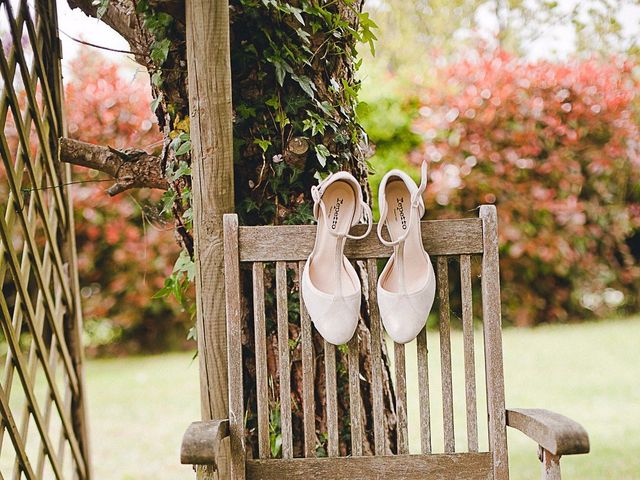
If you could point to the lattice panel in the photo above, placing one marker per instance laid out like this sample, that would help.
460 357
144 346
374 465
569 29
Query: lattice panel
42 434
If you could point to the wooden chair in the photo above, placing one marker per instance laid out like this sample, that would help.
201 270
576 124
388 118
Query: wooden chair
445 240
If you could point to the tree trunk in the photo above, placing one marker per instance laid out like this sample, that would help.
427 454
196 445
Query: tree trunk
294 102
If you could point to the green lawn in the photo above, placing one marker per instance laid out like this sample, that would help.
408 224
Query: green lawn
139 407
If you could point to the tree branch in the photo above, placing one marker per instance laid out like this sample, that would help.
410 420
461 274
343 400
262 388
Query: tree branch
121 16
130 168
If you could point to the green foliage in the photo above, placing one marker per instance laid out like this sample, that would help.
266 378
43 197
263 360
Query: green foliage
179 282
159 25
102 5
387 115
289 49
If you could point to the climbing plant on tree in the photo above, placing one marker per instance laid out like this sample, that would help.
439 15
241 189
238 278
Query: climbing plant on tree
295 105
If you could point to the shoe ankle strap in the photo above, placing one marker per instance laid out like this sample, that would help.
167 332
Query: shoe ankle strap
417 204
316 194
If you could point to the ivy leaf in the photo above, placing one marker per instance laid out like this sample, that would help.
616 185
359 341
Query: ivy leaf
276 444
297 13
167 201
156 78
349 90
263 144
102 5
273 102
156 103
192 334
306 84
322 153
184 148
175 143
166 290
366 30
158 23
182 170
304 35
186 265
282 68
280 74
282 119
245 111
160 51
363 109
187 216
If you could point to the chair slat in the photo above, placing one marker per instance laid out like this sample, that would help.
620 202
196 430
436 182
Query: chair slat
445 356
283 356
469 361
376 359
308 401
260 334
295 242
492 324
423 387
234 346
401 398
332 398
354 396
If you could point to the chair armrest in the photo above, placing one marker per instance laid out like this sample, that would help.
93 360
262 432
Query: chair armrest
201 441
554 432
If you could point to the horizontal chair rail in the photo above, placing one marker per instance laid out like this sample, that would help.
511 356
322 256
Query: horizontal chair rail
291 243
460 466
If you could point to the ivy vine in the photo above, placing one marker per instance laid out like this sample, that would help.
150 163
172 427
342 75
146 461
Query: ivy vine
295 101
295 109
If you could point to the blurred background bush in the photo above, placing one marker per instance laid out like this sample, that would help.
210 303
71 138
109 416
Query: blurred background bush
532 107
549 137
125 248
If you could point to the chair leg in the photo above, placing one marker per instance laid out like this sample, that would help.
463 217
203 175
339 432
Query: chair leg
550 464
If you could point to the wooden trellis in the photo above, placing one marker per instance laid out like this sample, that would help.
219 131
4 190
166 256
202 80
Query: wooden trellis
43 432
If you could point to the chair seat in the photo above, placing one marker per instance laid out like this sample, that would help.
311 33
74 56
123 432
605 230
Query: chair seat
461 466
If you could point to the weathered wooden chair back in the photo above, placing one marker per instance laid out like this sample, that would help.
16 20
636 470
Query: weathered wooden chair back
453 242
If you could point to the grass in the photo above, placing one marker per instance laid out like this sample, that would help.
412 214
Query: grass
139 407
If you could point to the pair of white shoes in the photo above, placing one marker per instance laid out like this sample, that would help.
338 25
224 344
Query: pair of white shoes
330 285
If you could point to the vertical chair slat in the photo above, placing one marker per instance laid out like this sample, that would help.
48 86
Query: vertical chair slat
308 402
492 323
445 355
376 359
423 388
354 396
262 392
283 355
234 345
401 399
332 399
469 361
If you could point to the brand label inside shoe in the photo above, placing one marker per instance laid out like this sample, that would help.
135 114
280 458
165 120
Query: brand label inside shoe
334 213
399 212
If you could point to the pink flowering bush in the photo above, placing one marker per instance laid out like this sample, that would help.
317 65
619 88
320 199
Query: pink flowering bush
555 147
125 250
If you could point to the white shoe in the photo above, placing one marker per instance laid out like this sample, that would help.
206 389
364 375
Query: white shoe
330 285
407 285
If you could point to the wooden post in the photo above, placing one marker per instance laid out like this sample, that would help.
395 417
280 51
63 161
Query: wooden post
209 69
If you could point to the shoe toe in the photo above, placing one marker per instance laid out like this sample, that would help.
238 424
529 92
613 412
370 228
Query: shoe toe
404 316
335 317
336 329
